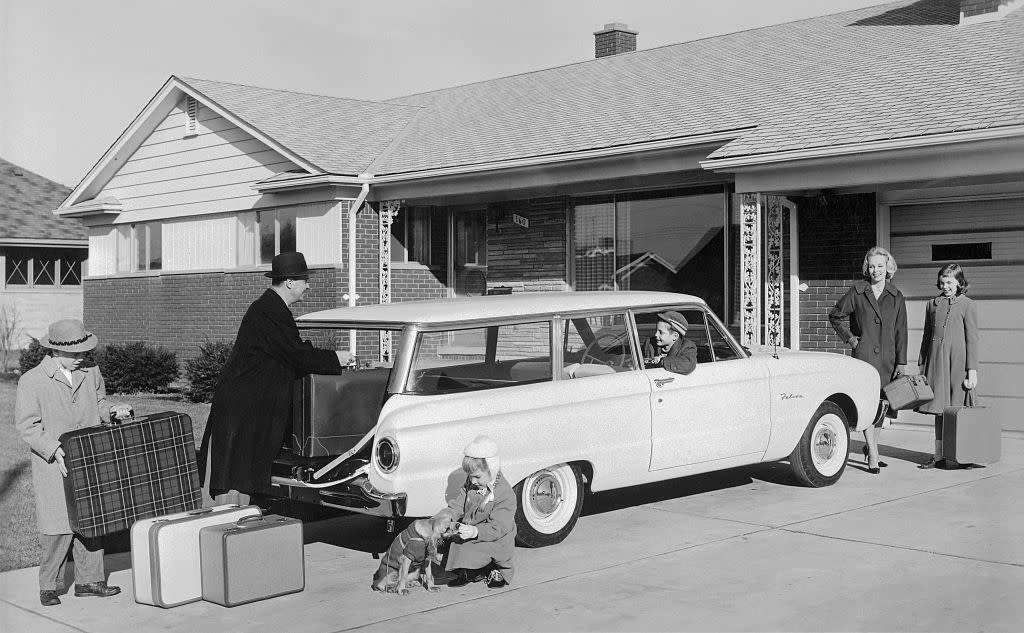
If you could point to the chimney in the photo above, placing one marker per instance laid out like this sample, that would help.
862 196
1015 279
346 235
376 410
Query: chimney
615 38
974 11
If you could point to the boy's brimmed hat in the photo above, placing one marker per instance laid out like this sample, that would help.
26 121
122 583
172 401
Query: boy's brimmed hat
69 335
676 320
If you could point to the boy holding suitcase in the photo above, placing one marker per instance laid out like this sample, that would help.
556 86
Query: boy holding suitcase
58 395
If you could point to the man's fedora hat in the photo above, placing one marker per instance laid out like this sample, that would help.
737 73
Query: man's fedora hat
676 320
69 335
288 266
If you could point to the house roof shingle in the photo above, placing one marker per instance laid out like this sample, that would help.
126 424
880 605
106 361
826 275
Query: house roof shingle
894 71
27 201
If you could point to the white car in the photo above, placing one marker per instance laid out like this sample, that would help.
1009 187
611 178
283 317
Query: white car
558 380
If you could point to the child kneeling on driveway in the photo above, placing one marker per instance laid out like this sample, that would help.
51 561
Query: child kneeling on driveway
485 509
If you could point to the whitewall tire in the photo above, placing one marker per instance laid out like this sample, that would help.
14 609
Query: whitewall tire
820 456
549 503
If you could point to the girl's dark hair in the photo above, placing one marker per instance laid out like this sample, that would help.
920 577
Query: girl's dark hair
956 272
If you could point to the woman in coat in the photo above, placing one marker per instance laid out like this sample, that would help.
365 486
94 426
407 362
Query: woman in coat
872 319
61 394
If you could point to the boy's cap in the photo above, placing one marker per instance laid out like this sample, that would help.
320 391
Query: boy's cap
676 320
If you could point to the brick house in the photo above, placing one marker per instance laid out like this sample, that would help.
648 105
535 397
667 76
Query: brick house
41 256
754 169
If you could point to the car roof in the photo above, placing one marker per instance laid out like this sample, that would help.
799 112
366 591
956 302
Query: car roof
471 309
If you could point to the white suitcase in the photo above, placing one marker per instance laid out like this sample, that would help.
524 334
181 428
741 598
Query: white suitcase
165 553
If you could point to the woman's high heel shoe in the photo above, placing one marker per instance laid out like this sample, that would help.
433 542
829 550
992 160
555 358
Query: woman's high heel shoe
881 464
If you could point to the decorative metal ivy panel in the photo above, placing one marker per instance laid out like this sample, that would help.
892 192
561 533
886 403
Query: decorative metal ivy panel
773 281
388 210
750 269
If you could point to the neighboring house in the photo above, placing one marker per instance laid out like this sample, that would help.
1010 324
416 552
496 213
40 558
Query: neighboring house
768 161
41 255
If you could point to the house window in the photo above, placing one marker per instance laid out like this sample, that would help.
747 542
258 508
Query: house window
671 241
148 246
411 234
276 230
42 267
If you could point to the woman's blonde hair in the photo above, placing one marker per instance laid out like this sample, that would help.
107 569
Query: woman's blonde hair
890 262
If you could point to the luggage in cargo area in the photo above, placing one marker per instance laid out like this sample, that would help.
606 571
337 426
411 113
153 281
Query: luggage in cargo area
165 553
330 414
252 559
120 473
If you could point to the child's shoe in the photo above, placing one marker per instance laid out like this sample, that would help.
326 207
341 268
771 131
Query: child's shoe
495 580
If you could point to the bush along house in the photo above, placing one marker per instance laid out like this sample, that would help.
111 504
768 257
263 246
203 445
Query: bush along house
753 169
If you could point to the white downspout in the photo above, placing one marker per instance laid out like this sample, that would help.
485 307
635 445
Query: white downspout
352 296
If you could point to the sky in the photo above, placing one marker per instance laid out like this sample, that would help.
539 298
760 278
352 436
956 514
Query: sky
74 73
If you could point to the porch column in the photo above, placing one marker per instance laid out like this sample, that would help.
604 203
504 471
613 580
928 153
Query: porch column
388 210
761 274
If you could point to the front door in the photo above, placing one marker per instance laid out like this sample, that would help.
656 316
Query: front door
718 411
469 252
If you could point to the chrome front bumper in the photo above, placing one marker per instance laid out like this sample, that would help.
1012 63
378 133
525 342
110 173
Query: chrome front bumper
357 495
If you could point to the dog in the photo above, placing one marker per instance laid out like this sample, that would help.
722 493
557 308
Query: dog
410 557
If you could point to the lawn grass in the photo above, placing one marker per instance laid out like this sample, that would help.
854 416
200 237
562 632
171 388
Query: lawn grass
18 536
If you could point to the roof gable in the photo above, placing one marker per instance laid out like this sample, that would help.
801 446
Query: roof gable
27 201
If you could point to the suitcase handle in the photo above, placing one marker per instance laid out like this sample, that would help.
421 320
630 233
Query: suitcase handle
247 519
200 511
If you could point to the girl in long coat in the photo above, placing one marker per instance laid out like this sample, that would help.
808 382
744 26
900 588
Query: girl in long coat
60 395
949 350
486 510
872 319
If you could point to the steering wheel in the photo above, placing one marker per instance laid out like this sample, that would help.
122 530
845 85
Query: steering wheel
600 342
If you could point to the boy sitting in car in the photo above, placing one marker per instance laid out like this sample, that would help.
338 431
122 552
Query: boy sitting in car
669 347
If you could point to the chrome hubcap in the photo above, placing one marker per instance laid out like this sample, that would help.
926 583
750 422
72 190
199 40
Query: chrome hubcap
545 494
824 445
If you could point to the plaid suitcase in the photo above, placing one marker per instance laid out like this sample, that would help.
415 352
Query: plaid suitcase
165 553
252 559
118 474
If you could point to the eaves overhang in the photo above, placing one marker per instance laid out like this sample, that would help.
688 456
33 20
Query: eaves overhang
103 207
838 151
43 241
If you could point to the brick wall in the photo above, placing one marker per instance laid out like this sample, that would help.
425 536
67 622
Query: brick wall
180 311
527 259
835 232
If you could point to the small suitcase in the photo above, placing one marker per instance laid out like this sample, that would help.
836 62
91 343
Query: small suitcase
332 413
908 392
252 559
970 434
120 473
165 553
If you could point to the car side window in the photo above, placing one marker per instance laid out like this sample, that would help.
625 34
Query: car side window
597 345
451 361
697 332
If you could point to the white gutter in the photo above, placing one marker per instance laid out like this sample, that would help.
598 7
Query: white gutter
931 140
352 296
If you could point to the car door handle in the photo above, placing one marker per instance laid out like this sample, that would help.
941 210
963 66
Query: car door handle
661 382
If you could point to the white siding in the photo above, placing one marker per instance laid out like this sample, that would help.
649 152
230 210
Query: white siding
171 175
317 234
199 243
997 285
246 242
102 251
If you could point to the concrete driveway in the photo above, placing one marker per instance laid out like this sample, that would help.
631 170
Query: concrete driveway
743 550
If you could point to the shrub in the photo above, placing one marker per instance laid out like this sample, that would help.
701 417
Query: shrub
31 355
203 371
135 367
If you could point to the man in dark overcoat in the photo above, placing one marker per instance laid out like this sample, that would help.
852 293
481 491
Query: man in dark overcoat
252 403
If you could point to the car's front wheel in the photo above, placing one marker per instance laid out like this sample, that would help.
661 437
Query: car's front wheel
820 456
549 503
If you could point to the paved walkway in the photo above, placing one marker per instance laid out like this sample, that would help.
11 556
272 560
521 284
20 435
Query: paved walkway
744 550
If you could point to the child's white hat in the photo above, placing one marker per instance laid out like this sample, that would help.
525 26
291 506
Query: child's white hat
486 449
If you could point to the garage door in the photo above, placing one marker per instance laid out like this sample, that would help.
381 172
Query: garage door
986 237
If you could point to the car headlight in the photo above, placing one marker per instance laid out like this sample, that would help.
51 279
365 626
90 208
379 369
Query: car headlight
387 455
